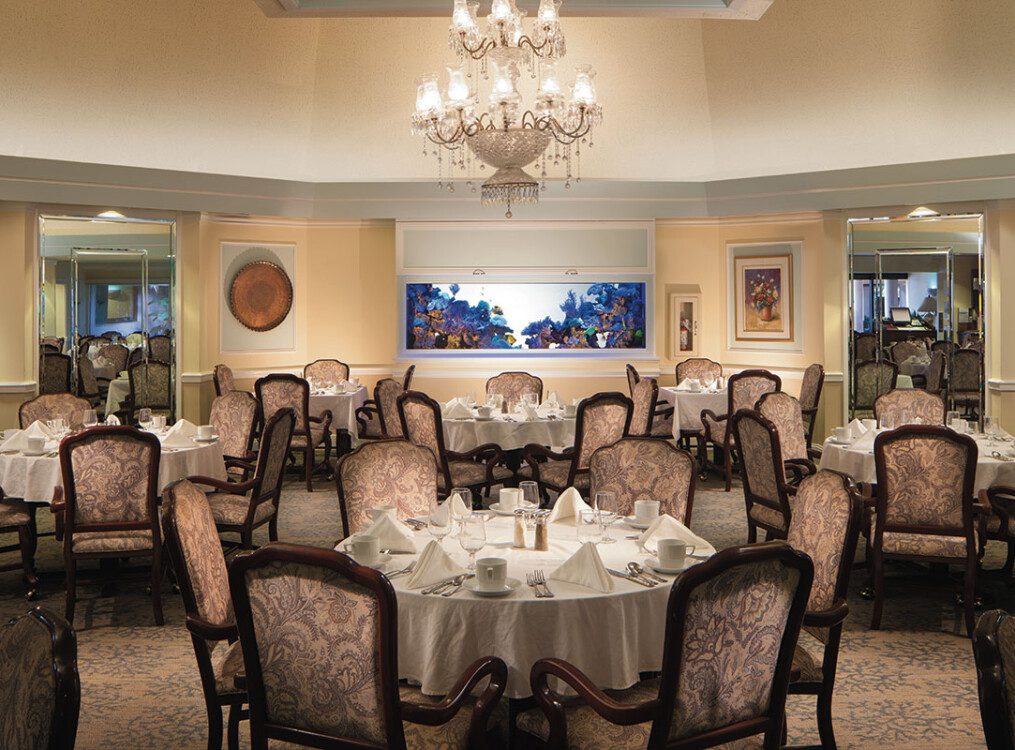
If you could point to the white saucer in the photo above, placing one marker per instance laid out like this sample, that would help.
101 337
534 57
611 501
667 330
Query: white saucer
382 559
833 441
495 507
634 524
510 585
33 454
483 419
653 563
211 439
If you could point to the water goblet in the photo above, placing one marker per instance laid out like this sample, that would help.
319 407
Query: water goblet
439 522
90 418
144 418
590 527
472 536
530 493
990 429
457 512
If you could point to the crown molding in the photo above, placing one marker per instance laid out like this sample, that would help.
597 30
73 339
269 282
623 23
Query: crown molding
798 217
281 221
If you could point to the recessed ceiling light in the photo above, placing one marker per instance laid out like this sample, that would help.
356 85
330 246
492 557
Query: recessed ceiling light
111 215
922 212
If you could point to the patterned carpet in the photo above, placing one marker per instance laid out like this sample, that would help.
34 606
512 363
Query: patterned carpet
910 685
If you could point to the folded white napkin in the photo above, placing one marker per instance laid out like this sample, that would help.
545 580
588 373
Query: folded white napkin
455 409
551 399
180 435
865 442
527 413
19 440
668 527
433 565
392 535
686 384
857 429
585 568
458 507
112 419
569 504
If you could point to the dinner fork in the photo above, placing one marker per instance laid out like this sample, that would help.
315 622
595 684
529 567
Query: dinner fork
404 571
531 581
541 580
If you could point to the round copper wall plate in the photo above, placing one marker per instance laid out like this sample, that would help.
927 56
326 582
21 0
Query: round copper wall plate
261 295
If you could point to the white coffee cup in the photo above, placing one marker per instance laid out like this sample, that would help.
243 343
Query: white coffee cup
694 384
205 431
510 498
383 510
870 424
491 573
35 445
570 410
159 422
485 412
646 511
842 434
364 548
672 552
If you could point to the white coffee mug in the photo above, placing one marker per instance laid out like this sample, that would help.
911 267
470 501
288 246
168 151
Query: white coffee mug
205 431
491 573
694 384
159 422
365 549
870 424
510 498
570 410
35 445
672 552
646 511
485 412
383 510
842 434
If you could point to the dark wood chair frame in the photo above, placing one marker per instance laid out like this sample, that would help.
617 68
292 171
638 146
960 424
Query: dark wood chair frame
395 710
516 372
372 410
798 467
656 412
990 681
67 363
1001 501
348 371
309 451
65 503
786 490
247 461
202 631
407 377
659 710
28 542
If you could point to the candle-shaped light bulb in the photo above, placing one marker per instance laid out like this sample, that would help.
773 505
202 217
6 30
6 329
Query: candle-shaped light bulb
458 88
549 85
428 97
584 90
548 12
461 18
501 10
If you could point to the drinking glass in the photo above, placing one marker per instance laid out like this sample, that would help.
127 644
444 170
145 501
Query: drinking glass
951 418
990 428
144 418
472 536
465 495
887 423
439 522
590 527
605 503
530 493
90 419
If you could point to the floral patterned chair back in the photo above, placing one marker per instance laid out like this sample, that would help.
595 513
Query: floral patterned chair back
632 379
422 426
326 370
936 371
383 472
117 354
234 417
903 350
644 397
88 383
386 394
810 388
905 405
38 653
865 347
602 420
54 373
151 385
785 413
161 348
224 381
967 367
745 388
873 379
513 386
994 652
273 447
65 406
698 368
280 391
641 468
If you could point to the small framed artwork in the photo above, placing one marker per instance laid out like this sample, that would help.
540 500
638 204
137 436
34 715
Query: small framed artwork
684 325
763 299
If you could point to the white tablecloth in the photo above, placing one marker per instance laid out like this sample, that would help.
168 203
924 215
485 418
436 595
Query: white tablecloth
461 435
34 478
688 406
858 462
343 407
611 637
913 368
904 381
119 390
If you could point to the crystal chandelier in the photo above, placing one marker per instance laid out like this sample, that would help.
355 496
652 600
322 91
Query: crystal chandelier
502 134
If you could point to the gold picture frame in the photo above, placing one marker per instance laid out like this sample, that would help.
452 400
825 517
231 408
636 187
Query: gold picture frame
763 297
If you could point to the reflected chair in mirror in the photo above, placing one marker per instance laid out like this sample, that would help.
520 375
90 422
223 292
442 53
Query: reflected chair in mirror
241 507
18 517
382 473
514 386
767 495
1000 524
645 468
478 469
906 405
55 342
109 504
325 675
936 372
283 391
901 351
195 551
110 335
91 387
151 387
784 411
826 524
326 371
742 392
810 397
234 417
966 381
601 420
925 509
55 373
135 356
751 599
117 355
222 376
71 409
945 347
994 654
407 377
160 348
873 379
41 697
45 348
865 347
647 416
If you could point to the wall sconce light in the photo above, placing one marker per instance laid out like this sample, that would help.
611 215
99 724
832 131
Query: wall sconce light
571 272
479 272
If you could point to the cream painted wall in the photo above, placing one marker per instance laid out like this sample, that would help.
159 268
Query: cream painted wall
17 310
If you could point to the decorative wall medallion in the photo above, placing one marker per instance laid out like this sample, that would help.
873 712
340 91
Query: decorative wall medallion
260 295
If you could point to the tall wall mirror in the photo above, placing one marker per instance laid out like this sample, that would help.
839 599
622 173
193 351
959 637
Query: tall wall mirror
106 312
916 310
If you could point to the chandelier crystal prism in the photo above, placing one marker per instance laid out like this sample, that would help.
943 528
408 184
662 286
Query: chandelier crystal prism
501 133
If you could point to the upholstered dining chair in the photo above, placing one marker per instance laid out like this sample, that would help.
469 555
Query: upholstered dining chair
900 351
478 469
904 405
235 415
41 695
825 526
407 377
750 599
329 370
17 517
160 348
698 368
965 379
994 653
784 411
135 356
767 494
386 394
192 543
283 391
865 347
223 378
57 342
647 417
325 675
109 503
66 406
924 509
645 468
945 347
632 378
384 472
873 379
810 397
117 354
601 420
242 507
743 390
513 386
151 387
54 373
936 371
91 387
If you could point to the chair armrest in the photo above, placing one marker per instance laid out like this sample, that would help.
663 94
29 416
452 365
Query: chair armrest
708 430
664 412
240 682
231 488
802 467
826 618
209 631
324 419
982 505
488 453
536 451
814 453
809 412
443 712
240 463
57 505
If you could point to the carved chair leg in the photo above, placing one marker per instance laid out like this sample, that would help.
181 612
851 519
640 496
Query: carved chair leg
728 459
752 533
157 587
825 731
27 542
214 727
308 465
1009 563
70 596
969 598
235 714
273 528
878 574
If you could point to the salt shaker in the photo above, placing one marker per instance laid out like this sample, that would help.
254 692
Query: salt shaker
519 542
542 533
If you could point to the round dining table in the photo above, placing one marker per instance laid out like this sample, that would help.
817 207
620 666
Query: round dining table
688 406
509 431
342 404
612 637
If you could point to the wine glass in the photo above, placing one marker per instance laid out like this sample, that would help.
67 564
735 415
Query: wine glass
438 523
990 429
605 502
951 418
590 527
472 536
144 418
90 418
457 514
530 493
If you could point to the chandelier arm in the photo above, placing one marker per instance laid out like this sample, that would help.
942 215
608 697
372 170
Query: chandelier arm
434 134
537 49
559 132
480 51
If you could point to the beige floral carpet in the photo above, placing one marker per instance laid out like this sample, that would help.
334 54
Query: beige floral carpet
911 685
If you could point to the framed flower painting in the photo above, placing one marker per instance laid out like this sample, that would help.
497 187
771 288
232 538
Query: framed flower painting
763 300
